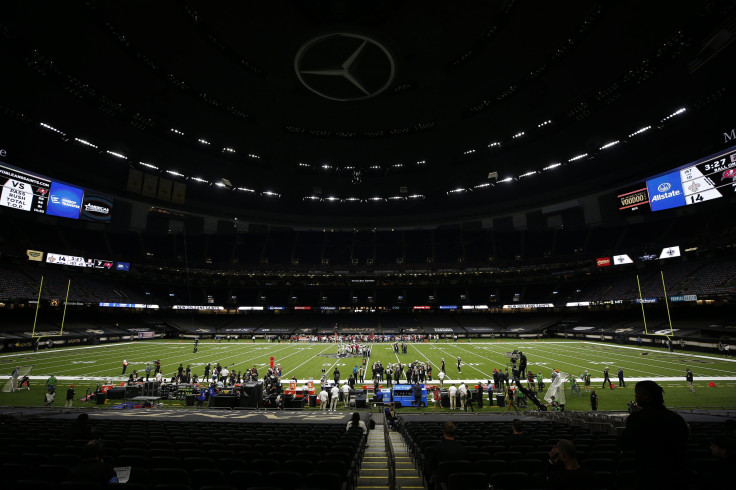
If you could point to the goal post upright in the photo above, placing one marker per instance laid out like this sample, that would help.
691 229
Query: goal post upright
667 304
641 302
38 304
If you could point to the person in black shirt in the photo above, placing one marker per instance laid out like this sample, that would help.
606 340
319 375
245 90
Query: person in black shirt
92 469
522 362
517 436
417 392
593 400
565 472
606 379
659 437
448 449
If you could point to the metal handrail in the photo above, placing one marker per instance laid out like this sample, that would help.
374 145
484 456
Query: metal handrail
391 458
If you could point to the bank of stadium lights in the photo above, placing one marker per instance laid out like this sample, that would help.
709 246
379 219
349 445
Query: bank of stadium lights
312 198
302 164
198 179
481 186
228 149
518 135
85 142
676 113
245 189
332 199
422 162
176 131
578 157
271 194
352 199
173 172
542 124
48 126
204 142
326 166
507 179
468 152
639 131
375 167
551 166
396 198
494 143
397 165
528 174
148 165
220 184
117 155
608 145
254 156
375 199
458 190
416 196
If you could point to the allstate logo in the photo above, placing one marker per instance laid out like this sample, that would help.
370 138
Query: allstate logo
664 187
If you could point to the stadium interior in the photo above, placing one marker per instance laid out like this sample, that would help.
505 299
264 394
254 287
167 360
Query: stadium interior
486 173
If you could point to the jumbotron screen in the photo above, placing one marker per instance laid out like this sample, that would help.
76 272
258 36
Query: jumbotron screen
709 178
25 191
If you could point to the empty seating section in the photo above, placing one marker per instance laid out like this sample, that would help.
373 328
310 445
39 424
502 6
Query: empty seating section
507 465
280 247
364 244
188 455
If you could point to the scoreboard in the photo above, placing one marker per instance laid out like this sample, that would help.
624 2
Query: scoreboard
23 191
28 192
710 178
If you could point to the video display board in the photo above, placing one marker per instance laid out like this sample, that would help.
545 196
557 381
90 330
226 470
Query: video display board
710 178
25 191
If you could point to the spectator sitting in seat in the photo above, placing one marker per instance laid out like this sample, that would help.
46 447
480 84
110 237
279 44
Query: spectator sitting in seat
389 415
565 472
356 422
81 429
723 449
92 469
448 449
517 436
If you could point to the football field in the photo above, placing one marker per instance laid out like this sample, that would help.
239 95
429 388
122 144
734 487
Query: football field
91 365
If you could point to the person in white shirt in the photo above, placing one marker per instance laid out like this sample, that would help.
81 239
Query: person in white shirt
159 377
305 393
356 422
345 394
323 397
224 374
441 377
335 394
453 394
463 390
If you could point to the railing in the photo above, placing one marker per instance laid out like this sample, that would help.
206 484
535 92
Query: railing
391 458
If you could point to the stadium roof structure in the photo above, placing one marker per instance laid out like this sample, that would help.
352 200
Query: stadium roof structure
369 112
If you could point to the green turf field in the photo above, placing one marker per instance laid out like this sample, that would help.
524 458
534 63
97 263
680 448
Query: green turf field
85 367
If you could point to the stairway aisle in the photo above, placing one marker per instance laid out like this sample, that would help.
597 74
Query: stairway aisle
407 475
374 469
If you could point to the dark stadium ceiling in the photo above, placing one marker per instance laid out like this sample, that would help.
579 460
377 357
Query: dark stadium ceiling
366 110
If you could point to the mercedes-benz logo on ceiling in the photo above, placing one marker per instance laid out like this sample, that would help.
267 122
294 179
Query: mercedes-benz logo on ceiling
345 66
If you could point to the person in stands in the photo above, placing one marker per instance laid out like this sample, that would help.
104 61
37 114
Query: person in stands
356 422
565 472
448 449
659 438
92 469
